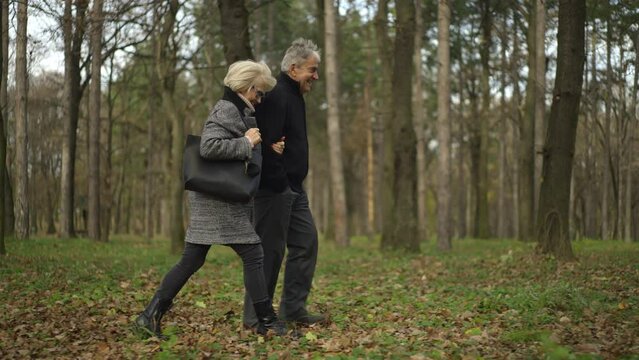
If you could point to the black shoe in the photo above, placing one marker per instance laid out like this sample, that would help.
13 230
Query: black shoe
305 318
148 323
267 320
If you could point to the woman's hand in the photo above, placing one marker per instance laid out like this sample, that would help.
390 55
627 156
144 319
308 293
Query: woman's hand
278 147
253 134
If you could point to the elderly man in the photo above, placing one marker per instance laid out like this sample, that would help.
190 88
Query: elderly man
282 215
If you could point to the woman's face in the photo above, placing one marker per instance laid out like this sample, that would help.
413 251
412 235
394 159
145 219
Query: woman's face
254 94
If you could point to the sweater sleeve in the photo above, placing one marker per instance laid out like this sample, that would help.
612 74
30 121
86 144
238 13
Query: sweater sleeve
222 137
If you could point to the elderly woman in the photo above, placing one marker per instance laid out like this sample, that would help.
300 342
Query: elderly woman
212 221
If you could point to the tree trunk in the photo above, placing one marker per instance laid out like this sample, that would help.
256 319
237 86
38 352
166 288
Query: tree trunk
517 121
527 141
400 206
3 140
552 226
151 165
606 218
21 155
334 141
419 123
630 150
95 93
385 109
503 130
540 94
166 67
7 204
106 195
235 30
443 127
482 218
71 103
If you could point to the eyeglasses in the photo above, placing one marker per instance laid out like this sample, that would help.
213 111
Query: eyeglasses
259 93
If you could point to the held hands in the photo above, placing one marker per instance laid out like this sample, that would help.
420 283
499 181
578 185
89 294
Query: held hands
253 134
278 147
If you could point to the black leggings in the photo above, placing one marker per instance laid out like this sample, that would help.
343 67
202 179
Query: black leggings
193 258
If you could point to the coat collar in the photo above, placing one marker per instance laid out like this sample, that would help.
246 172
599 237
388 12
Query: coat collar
233 97
291 84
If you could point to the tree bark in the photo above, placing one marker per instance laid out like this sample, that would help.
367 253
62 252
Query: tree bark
7 203
540 94
3 141
385 110
606 218
419 123
630 151
503 130
73 36
482 218
21 156
552 226
400 207
443 127
527 140
235 30
95 93
334 141
166 54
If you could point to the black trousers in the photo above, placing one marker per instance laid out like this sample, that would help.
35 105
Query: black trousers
193 258
284 222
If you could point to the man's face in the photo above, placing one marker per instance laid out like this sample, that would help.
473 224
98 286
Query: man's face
306 73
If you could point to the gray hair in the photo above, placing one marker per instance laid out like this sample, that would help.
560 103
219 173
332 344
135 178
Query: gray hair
246 73
300 50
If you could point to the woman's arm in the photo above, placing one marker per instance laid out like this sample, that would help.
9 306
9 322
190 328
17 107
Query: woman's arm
223 136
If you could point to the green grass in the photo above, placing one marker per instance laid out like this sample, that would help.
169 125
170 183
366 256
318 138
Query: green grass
484 299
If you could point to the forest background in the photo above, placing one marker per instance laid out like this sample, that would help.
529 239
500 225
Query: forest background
436 127
94 148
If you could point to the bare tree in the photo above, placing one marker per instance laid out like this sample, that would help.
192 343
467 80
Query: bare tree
73 28
235 30
552 224
21 156
95 93
7 202
444 193
166 63
335 144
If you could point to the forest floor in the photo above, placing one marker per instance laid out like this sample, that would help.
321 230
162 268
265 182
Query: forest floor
485 299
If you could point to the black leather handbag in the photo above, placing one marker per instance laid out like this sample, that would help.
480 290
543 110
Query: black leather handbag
228 180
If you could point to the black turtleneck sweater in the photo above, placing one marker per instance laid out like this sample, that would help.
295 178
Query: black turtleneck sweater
283 113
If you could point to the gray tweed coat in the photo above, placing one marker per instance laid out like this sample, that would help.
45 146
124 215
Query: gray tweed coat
214 221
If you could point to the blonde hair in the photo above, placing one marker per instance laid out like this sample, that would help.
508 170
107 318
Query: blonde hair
244 74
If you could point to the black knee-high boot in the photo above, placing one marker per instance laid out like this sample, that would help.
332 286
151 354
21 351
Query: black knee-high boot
267 319
149 321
